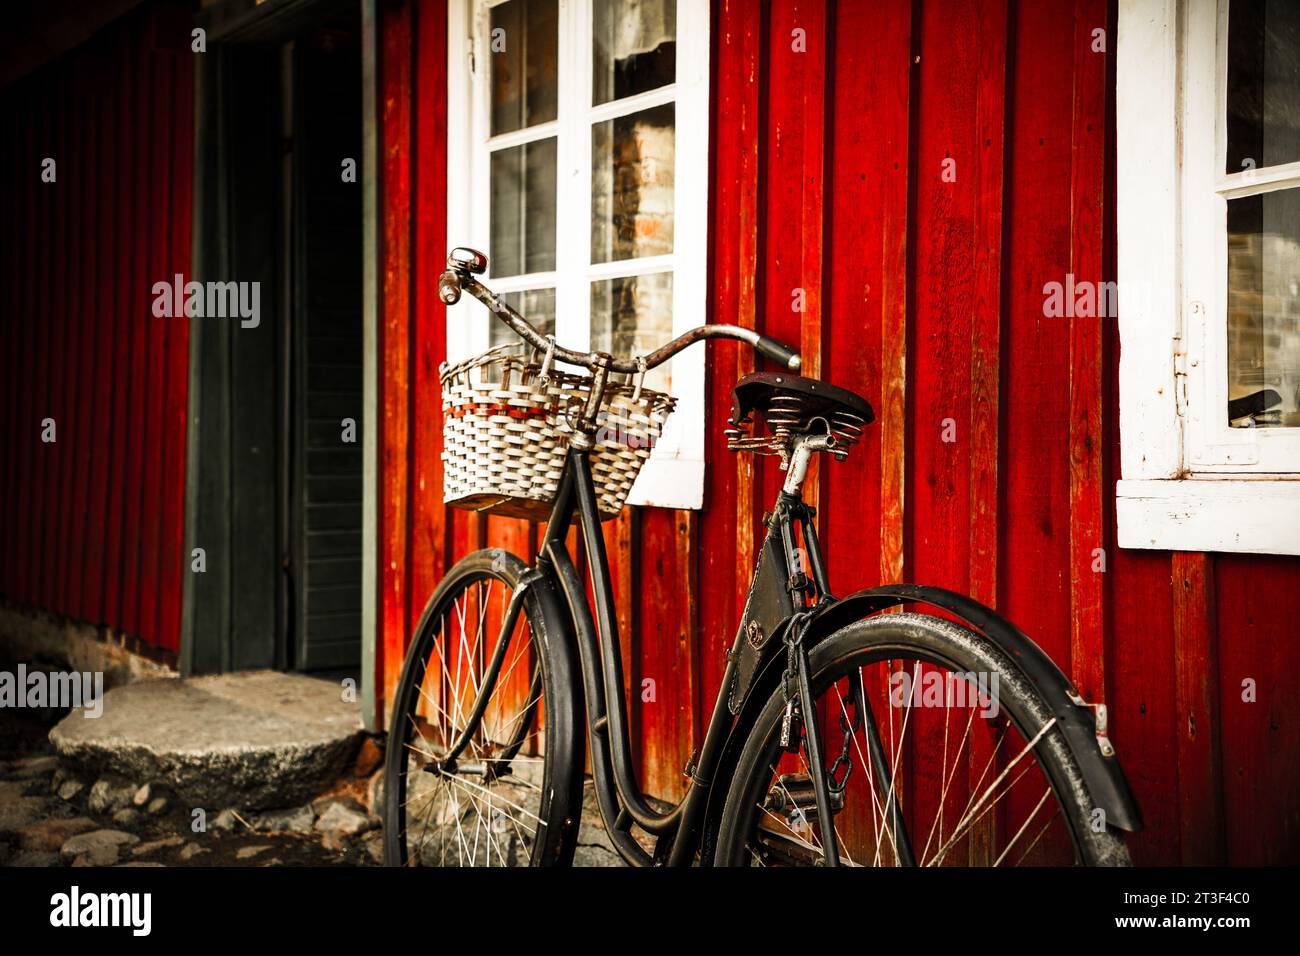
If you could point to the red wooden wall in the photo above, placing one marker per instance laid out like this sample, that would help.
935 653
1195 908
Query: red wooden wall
925 295
92 521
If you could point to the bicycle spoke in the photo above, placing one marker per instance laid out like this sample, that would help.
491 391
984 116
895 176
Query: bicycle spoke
949 776
485 809
877 811
1024 826
966 822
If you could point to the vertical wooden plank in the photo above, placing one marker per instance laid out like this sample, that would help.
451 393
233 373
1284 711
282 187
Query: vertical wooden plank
128 149
395 87
48 312
8 328
10 203
792 179
752 137
663 628
23 175
1196 702
1257 602
40 227
71 394
88 329
1087 189
156 212
938 488
429 538
952 489
986 320
727 551
175 562
866 213
986 363
138 318
692 710
1035 586
622 544
1141 700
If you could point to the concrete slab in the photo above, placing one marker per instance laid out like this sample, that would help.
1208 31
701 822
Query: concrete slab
250 740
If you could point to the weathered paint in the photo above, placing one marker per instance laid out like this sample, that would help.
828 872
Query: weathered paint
92 522
926 296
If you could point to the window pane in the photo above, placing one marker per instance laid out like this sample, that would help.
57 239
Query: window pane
634 47
535 305
632 185
522 45
523 209
1264 310
1263 83
634 316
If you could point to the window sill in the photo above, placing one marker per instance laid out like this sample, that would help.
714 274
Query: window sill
669 483
1250 516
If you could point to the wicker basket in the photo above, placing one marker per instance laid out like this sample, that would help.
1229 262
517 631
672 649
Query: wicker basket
505 428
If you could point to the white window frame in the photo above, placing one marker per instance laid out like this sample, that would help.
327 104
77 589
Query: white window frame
674 475
1189 481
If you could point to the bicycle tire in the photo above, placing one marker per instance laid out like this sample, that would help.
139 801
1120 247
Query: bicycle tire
890 637
558 780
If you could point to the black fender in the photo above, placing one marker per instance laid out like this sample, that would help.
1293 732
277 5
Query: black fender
1078 722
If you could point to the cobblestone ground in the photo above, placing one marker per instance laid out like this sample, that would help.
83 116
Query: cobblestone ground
50 816
55 815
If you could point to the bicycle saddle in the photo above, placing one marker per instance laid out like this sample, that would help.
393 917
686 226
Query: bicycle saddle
793 405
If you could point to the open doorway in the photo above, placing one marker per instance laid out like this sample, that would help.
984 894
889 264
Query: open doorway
275 470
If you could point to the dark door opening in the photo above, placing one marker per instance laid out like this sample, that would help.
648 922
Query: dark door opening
323 485
274 477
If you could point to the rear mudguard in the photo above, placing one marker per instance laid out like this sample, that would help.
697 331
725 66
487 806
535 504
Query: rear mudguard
1105 778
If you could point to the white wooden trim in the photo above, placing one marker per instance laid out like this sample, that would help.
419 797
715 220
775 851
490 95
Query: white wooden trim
1209 515
1190 481
1251 182
674 476
1147 223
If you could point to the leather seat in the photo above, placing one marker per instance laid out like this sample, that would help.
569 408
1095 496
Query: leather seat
792 405
755 393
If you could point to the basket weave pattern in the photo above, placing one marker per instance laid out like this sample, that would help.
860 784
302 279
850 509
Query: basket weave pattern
505 431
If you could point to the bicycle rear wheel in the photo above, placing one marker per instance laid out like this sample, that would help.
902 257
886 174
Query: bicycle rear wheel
967 766
512 794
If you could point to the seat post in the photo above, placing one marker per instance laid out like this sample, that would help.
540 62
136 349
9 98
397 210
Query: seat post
801 451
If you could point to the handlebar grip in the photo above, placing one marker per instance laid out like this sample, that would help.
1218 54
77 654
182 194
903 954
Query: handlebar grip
777 352
449 287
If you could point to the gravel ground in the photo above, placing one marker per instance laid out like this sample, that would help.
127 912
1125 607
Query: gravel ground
54 815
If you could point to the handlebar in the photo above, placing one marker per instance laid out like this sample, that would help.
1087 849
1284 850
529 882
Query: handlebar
464 264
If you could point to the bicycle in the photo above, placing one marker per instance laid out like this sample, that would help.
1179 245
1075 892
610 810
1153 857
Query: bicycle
485 761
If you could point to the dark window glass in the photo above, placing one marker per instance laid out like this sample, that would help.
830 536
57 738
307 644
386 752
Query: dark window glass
1263 95
523 208
524 57
1264 310
634 47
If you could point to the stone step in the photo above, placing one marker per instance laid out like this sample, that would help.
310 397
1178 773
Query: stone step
250 740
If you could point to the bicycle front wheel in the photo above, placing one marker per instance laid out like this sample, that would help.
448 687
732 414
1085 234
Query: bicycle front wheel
484 764
939 751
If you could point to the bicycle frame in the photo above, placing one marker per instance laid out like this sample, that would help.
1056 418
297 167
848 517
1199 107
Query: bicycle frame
618 794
